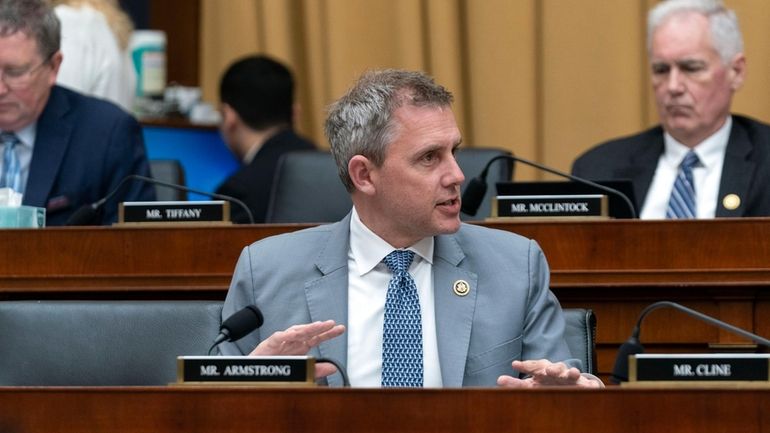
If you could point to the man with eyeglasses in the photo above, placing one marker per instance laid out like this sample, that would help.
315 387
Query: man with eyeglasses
701 162
60 149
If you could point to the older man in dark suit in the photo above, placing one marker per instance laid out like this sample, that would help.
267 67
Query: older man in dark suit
701 162
60 149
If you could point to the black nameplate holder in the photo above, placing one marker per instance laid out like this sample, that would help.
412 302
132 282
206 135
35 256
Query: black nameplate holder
682 369
246 370
539 206
163 212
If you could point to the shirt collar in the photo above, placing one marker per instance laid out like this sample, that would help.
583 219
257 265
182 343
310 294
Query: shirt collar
252 153
710 151
368 249
27 134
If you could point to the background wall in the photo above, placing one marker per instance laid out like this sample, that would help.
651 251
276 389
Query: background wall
546 79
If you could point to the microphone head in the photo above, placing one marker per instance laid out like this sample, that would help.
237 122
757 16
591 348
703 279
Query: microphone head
620 370
473 195
85 216
242 322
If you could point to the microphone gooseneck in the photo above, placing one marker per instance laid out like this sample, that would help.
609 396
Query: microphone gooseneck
240 324
340 369
477 186
87 213
632 346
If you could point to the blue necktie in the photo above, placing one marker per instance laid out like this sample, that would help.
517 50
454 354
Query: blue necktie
682 201
11 175
402 330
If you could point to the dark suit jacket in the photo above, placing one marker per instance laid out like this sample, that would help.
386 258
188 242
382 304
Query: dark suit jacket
83 148
746 169
252 183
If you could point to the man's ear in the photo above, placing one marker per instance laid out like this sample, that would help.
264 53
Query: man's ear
737 71
56 60
229 117
361 171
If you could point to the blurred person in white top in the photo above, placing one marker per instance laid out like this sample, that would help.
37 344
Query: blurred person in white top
94 44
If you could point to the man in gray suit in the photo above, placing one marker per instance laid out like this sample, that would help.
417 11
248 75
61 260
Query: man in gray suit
468 303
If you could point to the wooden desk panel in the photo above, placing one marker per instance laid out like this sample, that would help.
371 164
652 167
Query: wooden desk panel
192 410
720 267
616 254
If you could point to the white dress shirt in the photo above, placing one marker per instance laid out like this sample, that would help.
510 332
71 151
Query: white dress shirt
368 280
706 176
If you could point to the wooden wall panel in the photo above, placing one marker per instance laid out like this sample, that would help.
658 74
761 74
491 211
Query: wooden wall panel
501 103
592 75
546 79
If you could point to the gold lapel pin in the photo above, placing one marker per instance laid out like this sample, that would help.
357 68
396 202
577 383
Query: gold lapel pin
461 287
731 201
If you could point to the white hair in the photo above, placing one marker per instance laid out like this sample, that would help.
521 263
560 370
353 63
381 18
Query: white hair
725 32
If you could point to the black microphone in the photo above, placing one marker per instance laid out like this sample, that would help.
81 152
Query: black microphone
86 215
237 326
632 346
477 186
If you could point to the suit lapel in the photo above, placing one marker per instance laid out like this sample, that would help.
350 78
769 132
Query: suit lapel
642 167
51 142
454 314
737 171
327 297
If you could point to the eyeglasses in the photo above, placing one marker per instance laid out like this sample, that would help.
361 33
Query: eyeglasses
16 78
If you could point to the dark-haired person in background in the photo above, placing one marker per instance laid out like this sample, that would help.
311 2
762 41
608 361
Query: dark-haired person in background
701 162
58 148
257 97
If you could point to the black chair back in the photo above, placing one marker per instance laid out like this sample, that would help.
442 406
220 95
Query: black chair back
101 343
171 171
580 333
307 188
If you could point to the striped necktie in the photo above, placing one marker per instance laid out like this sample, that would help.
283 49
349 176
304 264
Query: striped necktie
682 201
11 174
402 328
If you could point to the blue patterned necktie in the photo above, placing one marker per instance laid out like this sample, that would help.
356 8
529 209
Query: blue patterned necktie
11 175
682 201
402 330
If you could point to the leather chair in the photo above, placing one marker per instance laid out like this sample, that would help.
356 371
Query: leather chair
580 333
101 343
307 188
171 171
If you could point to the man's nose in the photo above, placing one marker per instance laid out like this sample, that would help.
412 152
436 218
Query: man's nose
3 87
675 83
456 173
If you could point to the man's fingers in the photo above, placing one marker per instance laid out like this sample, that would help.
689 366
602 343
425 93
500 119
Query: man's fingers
323 369
512 382
298 339
336 331
532 366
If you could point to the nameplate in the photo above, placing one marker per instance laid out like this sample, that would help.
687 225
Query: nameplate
588 205
248 370
174 211
738 367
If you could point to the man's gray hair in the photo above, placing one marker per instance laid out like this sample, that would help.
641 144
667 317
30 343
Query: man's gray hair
725 32
34 18
360 122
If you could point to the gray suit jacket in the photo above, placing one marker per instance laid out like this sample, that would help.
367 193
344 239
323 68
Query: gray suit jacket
509 313
744 173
